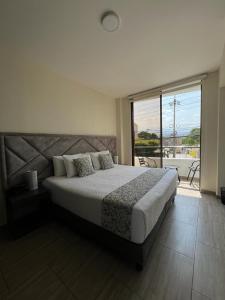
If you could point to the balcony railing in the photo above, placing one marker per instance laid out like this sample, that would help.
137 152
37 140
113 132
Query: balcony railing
180 156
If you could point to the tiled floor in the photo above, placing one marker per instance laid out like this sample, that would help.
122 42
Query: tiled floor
186 262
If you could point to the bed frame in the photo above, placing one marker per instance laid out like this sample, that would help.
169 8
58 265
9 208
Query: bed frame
136 253
20 152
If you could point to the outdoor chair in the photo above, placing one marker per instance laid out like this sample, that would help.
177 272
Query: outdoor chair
142 161
194 167
147 162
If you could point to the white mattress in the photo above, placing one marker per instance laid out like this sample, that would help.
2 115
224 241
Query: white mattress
83 196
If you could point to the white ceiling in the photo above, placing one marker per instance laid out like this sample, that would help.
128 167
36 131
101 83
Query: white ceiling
159 40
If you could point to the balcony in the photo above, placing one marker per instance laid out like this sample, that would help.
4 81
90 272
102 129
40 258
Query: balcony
180 156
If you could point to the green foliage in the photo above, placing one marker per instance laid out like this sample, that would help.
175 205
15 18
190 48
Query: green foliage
147 136
193 138
141 142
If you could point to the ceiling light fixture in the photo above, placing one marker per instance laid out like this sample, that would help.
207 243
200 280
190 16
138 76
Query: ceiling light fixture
110 21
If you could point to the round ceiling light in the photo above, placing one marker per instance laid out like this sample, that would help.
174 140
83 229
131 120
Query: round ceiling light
110 21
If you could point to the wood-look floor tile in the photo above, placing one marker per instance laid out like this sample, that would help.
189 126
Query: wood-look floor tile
3 286
212 212
93 277
211 233
183 213
45 287
14 250
185 189
115 290
198 296
209 271
179 236
32 264
74 259
167 275
187 200
209 199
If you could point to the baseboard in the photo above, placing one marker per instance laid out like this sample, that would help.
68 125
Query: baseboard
208 192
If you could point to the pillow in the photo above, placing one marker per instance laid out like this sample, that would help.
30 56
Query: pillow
69 165
83 166
59 167
95 159
106 161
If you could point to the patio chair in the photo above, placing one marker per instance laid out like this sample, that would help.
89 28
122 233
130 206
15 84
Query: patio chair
195 167
147 162
142 161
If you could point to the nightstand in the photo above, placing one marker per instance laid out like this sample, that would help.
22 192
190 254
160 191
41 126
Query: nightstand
26 210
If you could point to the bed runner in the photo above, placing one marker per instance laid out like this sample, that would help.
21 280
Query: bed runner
118 205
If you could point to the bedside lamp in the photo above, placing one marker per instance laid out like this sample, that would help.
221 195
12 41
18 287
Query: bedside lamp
116 159
31 180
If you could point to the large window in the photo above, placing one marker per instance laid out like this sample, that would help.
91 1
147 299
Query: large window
167 129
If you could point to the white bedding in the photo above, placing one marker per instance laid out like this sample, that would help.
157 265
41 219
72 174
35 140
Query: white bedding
83 196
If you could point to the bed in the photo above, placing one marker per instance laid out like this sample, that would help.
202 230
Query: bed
81 199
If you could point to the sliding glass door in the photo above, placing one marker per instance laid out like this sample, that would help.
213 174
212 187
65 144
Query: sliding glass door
147 132
167 129
181 130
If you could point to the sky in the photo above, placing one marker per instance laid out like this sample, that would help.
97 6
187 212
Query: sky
188 112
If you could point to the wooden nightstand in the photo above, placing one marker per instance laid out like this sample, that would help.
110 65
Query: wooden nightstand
26 210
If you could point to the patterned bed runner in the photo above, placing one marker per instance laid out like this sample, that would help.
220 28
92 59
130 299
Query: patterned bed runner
117 206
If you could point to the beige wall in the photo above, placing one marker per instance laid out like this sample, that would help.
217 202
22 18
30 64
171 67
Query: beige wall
221 128
209 131
222 70
124 131
35 99
221 141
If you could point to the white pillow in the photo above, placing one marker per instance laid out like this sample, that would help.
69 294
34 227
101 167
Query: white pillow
59 166
69 165
95 158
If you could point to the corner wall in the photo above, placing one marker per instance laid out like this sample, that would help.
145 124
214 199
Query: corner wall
221 128
209 132
35 99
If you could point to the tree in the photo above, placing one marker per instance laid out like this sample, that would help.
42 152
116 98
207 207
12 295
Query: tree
147 136
193 138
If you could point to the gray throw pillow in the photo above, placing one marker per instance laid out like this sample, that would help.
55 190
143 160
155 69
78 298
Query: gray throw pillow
106 161
95 158
83 166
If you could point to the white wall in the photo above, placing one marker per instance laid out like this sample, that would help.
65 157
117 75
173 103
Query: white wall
124 131
221 141
35 99
222 70
209 132
221 128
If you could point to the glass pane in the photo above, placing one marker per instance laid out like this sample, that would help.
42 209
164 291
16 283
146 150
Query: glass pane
181 119
147 132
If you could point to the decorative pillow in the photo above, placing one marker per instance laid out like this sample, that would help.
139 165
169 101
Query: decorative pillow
69 165
106 161
59 166
95 158
83 166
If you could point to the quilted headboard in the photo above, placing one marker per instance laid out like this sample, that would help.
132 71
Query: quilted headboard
22 152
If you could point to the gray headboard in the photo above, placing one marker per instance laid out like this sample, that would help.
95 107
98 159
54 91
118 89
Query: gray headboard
21 152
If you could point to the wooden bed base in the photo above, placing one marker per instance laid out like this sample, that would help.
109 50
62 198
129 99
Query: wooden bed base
137 253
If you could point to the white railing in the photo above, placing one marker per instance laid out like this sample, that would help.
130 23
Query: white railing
182 164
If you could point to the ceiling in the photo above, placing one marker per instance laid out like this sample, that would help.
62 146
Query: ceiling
158 42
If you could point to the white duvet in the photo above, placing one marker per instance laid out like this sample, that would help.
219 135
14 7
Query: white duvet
83 196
